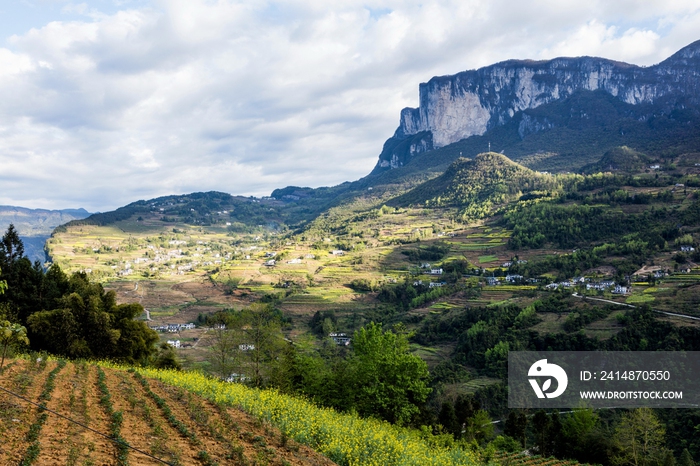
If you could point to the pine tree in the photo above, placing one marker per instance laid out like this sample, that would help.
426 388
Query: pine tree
11 248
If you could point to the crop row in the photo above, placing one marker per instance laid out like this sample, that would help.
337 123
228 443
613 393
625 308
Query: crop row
32 437
115 417
203 456
344 438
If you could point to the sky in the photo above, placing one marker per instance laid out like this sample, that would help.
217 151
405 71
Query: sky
106 102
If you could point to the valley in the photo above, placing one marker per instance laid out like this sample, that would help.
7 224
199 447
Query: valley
374 319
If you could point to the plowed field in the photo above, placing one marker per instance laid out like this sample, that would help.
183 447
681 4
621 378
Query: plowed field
167 425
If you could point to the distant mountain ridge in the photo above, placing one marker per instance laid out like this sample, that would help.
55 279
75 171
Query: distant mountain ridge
470 103
35 225
37 222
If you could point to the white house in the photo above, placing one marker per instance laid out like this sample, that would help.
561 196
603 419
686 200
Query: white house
340 339
174 343
514 278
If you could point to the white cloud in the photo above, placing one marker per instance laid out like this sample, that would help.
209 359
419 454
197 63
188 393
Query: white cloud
113 101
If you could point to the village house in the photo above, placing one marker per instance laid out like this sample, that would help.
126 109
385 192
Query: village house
338 252
270 263
436 284
246 347
435 272
340 339
687 249
514 278
174 343
234 377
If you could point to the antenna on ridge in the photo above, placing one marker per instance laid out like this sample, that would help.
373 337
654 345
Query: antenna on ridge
489 146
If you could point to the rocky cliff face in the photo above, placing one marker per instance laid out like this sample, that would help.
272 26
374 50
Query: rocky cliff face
456 107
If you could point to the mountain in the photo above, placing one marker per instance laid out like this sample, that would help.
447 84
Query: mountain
35 225
477 103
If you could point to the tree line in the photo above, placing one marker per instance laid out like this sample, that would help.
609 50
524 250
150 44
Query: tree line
69 316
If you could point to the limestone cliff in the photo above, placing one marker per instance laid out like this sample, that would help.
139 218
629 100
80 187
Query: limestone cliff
470 103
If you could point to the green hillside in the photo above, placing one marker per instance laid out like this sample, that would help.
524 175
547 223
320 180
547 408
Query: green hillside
477 186
448 276
620 159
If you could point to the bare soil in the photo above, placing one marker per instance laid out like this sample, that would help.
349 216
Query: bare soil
226 434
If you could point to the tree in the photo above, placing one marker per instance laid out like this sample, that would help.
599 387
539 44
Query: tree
225 352
479 427
516 426
448 419
541 423
11 335
11 247
387 381
88 323
577 429
165 358
263 340
686 459
640 437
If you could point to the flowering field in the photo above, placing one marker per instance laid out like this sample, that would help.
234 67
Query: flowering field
344 438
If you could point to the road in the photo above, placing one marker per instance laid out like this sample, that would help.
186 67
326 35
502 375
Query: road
672 314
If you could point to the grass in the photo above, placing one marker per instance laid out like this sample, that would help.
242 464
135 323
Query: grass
640 299
487 259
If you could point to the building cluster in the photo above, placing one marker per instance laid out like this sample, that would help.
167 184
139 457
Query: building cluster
513 279
173 328
603 285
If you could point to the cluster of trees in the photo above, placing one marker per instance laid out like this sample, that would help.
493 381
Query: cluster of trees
485 335
407 295
629 437
376 376
568 226
69 316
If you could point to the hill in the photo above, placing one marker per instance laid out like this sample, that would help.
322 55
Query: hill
475 186
620 159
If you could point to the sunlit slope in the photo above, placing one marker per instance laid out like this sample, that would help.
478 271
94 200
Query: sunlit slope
185 418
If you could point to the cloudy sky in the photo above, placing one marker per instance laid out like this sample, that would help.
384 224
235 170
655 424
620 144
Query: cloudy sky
106 102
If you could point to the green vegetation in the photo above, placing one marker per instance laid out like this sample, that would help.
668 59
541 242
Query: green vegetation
399 303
